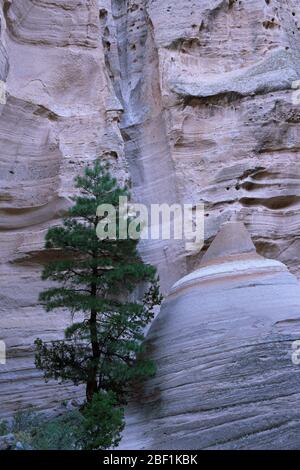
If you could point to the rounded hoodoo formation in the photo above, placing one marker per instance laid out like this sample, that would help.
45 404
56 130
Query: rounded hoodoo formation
223 345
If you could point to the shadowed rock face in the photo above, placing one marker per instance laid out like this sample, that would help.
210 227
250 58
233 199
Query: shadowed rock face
222 344
190 101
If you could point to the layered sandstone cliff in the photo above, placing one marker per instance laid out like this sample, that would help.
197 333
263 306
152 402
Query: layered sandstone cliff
190 100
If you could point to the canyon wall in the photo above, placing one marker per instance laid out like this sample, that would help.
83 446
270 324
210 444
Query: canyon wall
190 101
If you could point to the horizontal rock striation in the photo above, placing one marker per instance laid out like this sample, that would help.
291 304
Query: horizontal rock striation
222 344
60 113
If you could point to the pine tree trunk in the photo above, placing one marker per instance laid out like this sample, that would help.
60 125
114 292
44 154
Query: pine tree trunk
91 386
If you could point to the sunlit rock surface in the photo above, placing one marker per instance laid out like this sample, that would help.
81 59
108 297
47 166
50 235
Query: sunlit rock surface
222 344
190 100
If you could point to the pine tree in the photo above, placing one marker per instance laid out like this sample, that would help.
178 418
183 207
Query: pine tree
95 280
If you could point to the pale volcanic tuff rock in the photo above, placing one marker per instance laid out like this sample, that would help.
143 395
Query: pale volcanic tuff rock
206 88
191 99
222 344
59 115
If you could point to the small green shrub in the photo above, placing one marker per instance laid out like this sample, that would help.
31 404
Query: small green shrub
25 438
104 422
61 433
4 429
98 425
25 421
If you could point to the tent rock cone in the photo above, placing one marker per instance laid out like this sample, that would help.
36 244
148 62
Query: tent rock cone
222 344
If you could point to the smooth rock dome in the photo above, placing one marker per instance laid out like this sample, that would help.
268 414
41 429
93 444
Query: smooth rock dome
222 344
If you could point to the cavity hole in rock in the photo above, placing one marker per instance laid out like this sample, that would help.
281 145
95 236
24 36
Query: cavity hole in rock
107 45
134 7
249 186
274 203
111 154
102 13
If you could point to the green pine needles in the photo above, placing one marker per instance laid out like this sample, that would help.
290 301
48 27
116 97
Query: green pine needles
96 281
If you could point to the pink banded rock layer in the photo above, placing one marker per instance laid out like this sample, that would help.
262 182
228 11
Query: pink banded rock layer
190 100
222 344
